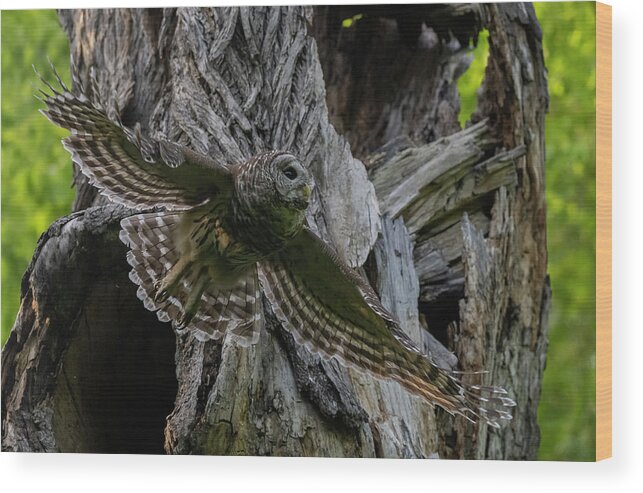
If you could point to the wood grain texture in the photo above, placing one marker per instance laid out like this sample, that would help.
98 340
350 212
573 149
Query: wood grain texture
603 231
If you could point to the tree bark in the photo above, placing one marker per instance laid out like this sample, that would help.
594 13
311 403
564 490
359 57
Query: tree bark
448 224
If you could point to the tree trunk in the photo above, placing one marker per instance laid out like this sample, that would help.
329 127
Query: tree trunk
448 224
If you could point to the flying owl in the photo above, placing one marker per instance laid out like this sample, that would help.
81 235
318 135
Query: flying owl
220 234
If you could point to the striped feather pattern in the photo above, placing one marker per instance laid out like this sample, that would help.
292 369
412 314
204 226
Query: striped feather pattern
236 312
126 167
377 344
154 251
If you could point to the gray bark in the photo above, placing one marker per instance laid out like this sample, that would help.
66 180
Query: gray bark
448 224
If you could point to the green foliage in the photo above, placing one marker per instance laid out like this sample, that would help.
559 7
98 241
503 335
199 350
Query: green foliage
567 410
36 170
567 413
346 23
470 81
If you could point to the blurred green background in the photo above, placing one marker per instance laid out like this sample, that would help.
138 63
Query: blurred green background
36 178
36 170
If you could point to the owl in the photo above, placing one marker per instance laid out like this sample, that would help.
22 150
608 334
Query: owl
208 238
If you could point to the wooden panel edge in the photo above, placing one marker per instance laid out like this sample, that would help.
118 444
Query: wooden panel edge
603 231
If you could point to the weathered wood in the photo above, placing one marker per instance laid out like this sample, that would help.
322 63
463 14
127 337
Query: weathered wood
431 187
506 333
234 81
399 287
394 72
72 367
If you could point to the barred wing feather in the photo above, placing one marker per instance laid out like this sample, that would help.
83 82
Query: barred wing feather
333 311
153 252
129 169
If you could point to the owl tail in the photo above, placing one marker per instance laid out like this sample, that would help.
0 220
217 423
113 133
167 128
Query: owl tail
179 290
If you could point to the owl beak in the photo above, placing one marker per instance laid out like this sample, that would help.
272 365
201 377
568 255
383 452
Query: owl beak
301 197
306 192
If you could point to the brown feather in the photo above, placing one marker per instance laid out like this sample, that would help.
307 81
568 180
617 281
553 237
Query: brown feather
334 312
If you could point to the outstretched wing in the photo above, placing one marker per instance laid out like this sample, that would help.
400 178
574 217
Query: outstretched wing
128 168
237 311
334 312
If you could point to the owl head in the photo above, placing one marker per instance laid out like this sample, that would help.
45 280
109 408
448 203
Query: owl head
273 191
292 182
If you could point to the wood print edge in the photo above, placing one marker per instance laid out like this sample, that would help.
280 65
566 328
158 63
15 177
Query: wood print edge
603 231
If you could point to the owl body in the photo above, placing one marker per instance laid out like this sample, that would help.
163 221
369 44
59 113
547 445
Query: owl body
218 235
211 240
204 245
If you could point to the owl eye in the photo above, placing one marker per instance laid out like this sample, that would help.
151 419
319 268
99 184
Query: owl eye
290 173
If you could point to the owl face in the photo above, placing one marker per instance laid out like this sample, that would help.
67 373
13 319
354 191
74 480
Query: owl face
272 193
293 183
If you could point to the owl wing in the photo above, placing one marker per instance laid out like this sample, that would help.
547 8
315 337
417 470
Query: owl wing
130 169
331 310
153 253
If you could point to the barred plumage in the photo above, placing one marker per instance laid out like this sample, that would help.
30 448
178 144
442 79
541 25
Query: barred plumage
128 168
307 278
224 231
152 239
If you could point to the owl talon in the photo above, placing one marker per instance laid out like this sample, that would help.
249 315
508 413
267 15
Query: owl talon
180 322
161 295
191 306
184 319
